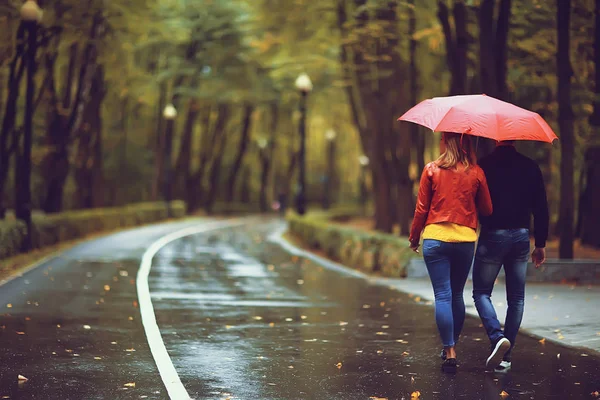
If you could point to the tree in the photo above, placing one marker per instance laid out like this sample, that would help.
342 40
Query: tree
565 121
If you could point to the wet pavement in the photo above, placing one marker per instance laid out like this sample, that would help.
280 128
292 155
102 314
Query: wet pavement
243 319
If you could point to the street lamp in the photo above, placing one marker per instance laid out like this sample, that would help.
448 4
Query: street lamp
304 86
169 113
329 180
364 163
31 16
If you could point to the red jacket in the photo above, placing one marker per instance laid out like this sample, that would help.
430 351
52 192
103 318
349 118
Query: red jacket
447 195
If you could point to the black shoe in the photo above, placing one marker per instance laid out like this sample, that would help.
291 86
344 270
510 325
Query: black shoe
449 366
443 355
499 347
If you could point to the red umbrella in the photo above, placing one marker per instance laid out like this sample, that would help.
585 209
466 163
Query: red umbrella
480 115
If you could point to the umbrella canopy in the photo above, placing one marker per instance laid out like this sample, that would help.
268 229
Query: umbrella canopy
480 115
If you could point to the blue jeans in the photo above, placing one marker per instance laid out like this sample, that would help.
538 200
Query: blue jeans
448 265
509 248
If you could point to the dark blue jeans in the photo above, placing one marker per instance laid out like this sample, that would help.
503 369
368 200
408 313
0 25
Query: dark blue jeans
448 265
509 248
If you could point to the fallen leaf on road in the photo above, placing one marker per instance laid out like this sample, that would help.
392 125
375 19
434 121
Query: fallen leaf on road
310 340
271 267
130 384
405 353
123 273
228 326
382 304
339 365
113 342
291 367
22 378
68 350
381 333
503 394
300 282
560 337
87 327
343 323
584 355
379 351
366 306
20 333
417 299
135 304
401 341
257 318
271 324
303 317
271 384
9 305
385 326
412 379
377 398
130 318
542 341
415 395
58 325
289 319
97 358
130 350
595 394
558 356
106 288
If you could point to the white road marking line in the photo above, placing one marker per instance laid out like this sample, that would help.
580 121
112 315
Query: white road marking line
165 366
277 238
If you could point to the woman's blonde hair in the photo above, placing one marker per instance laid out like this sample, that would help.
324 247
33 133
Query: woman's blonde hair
459 149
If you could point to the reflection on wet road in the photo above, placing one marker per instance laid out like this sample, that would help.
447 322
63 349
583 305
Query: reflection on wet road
242 319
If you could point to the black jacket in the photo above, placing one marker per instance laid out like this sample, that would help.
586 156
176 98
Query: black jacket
518 192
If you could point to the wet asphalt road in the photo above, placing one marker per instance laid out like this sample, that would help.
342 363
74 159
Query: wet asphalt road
242 319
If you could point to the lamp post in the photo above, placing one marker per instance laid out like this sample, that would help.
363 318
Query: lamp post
31 16
304 86
169 113
329 180
364 163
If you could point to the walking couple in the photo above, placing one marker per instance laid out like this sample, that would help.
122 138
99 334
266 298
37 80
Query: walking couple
502 192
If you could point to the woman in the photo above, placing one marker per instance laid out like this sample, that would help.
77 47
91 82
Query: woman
452 191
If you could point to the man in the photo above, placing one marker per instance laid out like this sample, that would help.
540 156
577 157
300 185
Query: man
518 192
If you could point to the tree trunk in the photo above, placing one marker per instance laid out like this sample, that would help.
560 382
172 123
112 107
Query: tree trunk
588 210
88 161
456 45
245 187
184 159
242 148
23 206
565 122
215 168
158 142
61 125
589 215
493 49
16 71
264 180
418 137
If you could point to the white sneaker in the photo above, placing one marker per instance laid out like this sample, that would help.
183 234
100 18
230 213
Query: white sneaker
503 367
498 350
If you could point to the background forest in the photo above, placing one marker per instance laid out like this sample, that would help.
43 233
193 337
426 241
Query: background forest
83 93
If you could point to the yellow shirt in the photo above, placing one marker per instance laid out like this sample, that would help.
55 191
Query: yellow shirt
449 232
